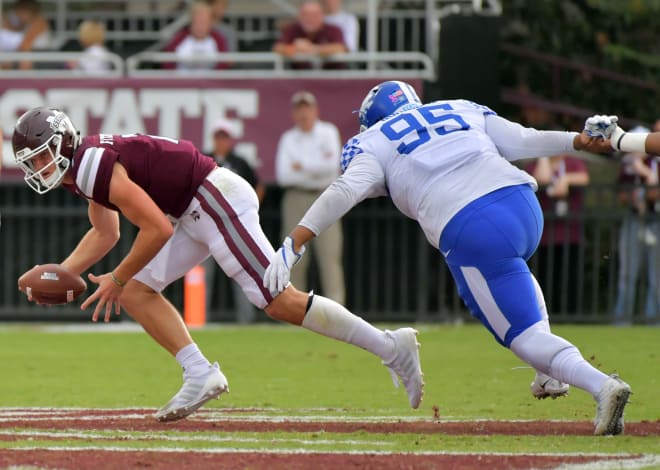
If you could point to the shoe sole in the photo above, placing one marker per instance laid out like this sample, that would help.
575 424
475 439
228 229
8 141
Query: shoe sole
416 404
544 394
180 413
614 426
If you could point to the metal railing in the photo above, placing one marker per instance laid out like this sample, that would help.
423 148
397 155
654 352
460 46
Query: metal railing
406 65
56 65
254 64
392 273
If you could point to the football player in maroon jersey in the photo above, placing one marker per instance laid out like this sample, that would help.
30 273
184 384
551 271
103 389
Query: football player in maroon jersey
186 209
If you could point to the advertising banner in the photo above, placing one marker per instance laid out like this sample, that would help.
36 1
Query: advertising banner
185 108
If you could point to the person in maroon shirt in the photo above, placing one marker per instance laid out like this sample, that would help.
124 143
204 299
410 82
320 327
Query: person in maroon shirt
198 39
562 178
311 36
186 209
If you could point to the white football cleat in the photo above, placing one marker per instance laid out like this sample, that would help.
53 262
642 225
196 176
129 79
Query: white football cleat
406 364
612 399
545 386
193 394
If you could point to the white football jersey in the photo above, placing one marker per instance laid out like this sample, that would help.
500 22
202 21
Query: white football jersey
432 161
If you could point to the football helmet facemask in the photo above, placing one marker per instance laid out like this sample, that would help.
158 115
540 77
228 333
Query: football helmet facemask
386 99
44 131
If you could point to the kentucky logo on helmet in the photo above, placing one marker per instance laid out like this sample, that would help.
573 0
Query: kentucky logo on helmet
397 97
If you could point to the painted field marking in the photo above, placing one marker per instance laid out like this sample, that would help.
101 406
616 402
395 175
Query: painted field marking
269 415
646 458
136 436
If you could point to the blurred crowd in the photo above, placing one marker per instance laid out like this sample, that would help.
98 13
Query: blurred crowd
320 29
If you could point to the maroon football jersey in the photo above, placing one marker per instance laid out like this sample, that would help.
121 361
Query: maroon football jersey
169 170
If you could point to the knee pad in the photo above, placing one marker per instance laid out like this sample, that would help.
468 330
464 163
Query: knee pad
538 347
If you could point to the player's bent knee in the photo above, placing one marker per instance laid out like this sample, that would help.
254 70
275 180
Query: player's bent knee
289 306
538 347
134 293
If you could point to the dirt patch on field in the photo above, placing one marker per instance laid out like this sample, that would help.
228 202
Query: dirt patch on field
18 425
57 459
207 420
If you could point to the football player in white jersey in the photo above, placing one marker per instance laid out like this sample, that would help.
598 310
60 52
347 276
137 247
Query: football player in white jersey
447 165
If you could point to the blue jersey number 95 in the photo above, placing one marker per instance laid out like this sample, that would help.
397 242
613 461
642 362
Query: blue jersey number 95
441 123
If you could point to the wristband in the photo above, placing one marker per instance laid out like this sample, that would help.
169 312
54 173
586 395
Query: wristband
117 281
629 141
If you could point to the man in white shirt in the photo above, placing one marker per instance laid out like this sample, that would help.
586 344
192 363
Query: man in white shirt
447 165
307 162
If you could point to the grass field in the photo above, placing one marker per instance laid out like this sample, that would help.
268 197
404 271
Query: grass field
281 373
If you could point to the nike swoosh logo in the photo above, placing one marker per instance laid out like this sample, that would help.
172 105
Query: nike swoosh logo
445 253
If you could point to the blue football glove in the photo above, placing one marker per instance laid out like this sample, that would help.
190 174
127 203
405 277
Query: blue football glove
600 126
278 273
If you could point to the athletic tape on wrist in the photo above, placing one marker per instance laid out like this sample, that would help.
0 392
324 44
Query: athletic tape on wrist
633 142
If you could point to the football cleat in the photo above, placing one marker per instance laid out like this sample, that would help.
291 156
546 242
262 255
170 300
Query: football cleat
193 394
405 367
545 386
612 399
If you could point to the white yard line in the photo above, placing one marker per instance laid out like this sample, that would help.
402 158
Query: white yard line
268 450
270 415
131 436
645 461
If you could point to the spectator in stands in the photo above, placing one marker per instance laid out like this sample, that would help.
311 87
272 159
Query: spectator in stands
347 22
562 201
639 237
94 61
224 135
25 29
199 39
1 145
307 162
311 36
218 9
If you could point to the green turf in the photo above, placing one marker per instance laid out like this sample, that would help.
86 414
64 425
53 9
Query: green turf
467 374
355 442
289 372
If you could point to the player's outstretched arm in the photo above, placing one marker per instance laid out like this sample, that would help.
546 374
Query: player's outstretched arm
154 231
653 143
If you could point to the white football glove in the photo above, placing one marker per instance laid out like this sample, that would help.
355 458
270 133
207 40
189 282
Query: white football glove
600 126
278 272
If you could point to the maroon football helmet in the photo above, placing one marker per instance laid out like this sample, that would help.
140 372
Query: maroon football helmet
42 130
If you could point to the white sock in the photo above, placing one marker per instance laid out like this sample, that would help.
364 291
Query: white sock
331 319
570 367
193 362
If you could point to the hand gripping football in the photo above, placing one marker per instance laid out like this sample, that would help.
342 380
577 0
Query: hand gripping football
51 284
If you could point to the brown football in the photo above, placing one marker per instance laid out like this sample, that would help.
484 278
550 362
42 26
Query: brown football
51 284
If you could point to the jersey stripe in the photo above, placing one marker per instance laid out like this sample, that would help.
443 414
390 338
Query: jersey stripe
238 239
89 166
482 295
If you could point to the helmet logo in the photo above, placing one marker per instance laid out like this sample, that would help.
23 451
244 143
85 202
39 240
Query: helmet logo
55 121
397 97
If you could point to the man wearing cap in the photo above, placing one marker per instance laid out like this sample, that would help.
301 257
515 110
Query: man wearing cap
224 136
307 161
